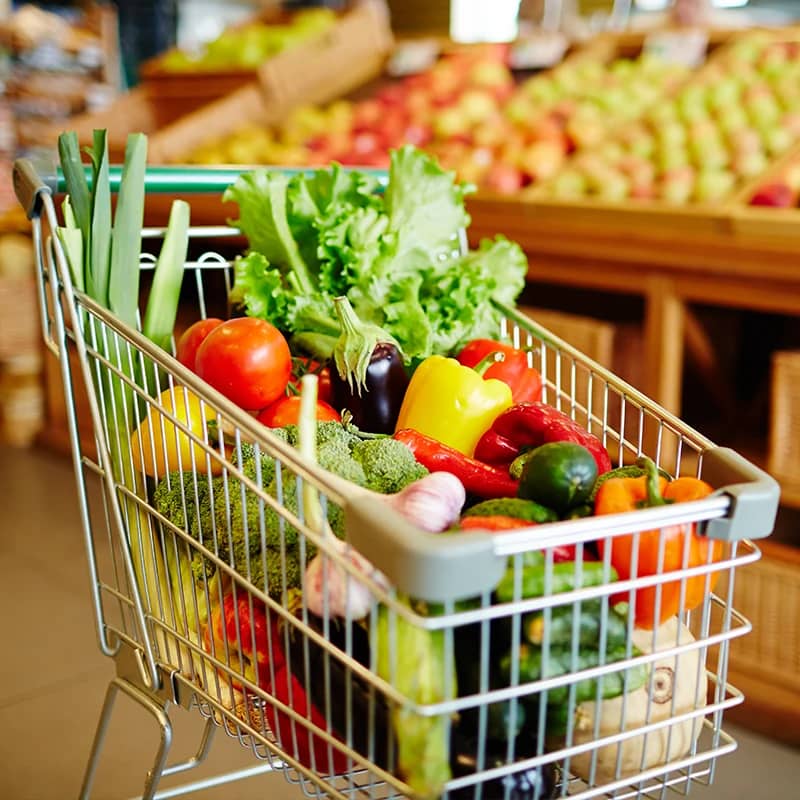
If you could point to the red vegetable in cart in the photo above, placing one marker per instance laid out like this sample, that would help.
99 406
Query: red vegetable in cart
528 425
478 478
245 639
311 750
525 381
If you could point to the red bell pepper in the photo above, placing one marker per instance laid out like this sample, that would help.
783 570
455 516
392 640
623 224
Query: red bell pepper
528 425
295 738
525 381
235 630
234 642
478 478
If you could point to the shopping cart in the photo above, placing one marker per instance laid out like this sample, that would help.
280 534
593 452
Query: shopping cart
192 621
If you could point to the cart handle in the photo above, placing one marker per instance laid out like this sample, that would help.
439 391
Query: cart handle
30 180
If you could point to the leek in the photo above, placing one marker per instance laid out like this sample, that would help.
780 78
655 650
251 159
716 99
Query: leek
104 260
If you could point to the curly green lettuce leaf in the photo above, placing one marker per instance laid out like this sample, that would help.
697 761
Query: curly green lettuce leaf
326 193
350 245
260 288
425 206
458 302
263 218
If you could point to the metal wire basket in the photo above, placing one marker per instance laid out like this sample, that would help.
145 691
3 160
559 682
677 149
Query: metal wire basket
190 620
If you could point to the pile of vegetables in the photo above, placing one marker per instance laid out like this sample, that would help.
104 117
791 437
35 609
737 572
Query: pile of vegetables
368 341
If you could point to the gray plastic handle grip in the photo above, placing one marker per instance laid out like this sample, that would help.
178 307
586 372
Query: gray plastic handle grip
29 187
438 567
754 496
432 566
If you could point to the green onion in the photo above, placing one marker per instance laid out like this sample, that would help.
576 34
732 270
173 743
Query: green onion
126 239
105 263
97 273
162 305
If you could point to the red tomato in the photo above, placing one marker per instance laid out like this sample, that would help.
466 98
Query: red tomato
302 366
286 411
246 359
192 338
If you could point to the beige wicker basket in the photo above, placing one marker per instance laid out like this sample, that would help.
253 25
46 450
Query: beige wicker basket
768 594
784 437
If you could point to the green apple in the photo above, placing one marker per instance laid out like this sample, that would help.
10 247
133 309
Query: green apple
614 187
749 165
778 141
670 158
568 184
713 184
677 185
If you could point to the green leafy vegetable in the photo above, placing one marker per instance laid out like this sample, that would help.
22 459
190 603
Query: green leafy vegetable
396 256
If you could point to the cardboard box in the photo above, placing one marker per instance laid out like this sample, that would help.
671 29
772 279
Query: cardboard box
296 69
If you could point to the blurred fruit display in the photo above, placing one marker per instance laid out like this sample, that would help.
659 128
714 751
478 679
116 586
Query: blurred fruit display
721 129
470 112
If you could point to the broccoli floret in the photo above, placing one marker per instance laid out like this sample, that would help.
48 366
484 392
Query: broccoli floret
182 497
389 465
330 431
335 457
233 521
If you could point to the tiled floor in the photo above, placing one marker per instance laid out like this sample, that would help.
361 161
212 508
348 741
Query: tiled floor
53 677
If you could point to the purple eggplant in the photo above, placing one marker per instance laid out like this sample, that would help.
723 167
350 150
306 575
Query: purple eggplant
368 377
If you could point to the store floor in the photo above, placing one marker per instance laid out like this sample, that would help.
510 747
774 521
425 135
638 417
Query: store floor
53 677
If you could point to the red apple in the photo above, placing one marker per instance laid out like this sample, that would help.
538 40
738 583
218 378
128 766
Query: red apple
777 195
504 179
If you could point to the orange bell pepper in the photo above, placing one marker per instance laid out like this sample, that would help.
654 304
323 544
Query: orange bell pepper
618 495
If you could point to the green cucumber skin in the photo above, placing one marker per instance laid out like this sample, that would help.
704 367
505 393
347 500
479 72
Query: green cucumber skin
590 619
559 475
564 577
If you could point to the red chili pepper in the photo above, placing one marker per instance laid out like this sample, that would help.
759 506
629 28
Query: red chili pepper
478 478
528 425
524 380
493 522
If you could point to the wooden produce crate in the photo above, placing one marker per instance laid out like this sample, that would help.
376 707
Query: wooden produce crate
176 94
349 56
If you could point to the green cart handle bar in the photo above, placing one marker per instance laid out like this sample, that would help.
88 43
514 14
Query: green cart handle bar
30 179
197 180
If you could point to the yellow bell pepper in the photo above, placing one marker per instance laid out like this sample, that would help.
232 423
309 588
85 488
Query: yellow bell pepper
158 446
452 403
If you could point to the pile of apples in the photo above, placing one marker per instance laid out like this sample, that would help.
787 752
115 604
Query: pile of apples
468 110
722 128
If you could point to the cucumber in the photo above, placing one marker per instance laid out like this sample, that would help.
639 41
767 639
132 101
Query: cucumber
587 630
533 667
563 577
515 507
559 475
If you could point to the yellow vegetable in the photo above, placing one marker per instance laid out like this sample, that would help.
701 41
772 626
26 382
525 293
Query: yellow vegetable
452 403
159 445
